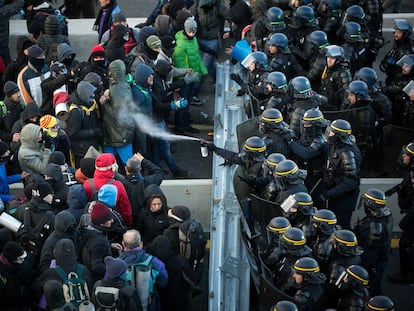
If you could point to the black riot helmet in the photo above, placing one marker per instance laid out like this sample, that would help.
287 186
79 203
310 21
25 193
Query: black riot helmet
374 201
353 32
309 268
278 81
253 150
281 41
271 162
287 173
335 51
313 122
369 76
304 17
324 221
270 119
406 151
259 58
318 39
275 228
382 303
333 6
404 26
275 20
301 87
294 241
342 132
346 242
302 203
284 305
355 13
354 276
359 89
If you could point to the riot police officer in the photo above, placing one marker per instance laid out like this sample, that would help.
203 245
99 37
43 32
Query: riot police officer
311 149
352 285
290 180
403 45
257 65
374 233
345 252
335 77
380 303
304 98
300 210
314 54
324 225
275 228
292 246
281 58
273 129
276 84
271 189
363 121
405 201
329 16
251 158
306 285
354 46
340 184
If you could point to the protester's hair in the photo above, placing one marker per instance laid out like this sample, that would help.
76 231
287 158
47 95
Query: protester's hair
132 239
133 166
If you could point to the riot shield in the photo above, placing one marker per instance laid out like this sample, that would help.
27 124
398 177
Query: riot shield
262 211
247 129
269 295
395 138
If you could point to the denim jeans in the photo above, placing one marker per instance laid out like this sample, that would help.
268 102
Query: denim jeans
208 61
182 116
162 150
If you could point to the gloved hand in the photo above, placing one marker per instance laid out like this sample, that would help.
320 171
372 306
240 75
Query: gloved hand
47 140
140 25
178 104
288 135
211 146
190 77
236 78
392 190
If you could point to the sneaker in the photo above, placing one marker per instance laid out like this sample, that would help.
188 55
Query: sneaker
195 101
180 173
192 130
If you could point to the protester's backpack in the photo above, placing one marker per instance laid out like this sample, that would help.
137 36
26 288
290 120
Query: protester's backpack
32 238
115 299
75 289
94 190
132 275
192 241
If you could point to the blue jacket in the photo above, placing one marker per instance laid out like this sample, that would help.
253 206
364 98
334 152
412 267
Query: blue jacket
5 180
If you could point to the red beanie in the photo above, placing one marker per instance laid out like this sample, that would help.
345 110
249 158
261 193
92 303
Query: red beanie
60 100
104 162
97 48
100 213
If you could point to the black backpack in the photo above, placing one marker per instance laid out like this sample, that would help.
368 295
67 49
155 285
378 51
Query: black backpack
32 238
192 241
114 299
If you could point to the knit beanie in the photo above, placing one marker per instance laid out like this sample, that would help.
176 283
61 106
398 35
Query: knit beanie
153 42
3 148
180 213
10 88
93 78
105 162
41 189
97 51
60 100
108 194
182 16
35 51
12 251
47 121
190 25
168 42
100 213
87 166
57 157
115 267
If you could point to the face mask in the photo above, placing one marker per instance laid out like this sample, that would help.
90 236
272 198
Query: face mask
37 63
50 133
99 63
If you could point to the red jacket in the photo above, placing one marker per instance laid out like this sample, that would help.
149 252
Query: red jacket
101 178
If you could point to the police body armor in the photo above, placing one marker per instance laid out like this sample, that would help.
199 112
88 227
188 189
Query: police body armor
406 191
335 80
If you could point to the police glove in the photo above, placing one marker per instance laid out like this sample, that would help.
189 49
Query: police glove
236 78
178 104
392 190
